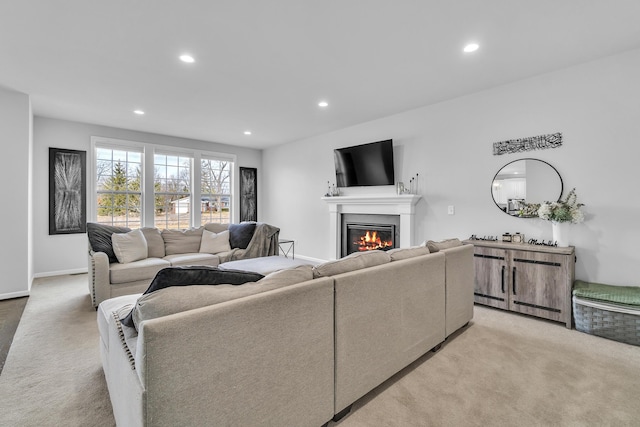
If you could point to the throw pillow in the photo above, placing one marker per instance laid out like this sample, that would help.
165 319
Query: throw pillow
443 244
213 243
182 241
355 261
155 244
129 247
240 234
194 275
289 276
215 227
100 238
404 253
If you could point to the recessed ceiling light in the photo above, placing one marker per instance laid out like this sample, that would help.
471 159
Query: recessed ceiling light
471 47
323 104
187 58
138 112
247 132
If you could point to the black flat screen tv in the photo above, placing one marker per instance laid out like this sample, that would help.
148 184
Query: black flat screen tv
365 165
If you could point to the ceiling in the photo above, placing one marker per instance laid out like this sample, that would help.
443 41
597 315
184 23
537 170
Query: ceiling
263 66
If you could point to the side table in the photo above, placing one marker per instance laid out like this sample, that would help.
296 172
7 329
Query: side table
289 247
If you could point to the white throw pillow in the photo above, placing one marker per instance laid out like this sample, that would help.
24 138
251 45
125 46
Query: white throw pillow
129 247
214 243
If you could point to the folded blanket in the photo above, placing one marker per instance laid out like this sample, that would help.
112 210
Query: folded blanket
626 295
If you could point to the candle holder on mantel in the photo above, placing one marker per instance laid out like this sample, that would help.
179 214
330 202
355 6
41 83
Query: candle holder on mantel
411 189
332 190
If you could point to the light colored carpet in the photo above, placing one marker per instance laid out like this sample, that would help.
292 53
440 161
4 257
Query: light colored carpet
502 370
53 375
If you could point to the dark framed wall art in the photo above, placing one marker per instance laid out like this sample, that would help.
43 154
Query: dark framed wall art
67 191
248 194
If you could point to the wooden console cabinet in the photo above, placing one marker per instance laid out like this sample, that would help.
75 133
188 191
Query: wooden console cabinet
529 279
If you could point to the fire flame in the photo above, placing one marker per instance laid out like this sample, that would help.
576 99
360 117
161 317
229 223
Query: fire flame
371 241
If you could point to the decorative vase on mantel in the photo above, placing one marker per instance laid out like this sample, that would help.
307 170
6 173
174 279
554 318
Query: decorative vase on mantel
560 232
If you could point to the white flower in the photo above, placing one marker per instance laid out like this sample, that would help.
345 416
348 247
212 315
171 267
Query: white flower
544 211
577 216
567 210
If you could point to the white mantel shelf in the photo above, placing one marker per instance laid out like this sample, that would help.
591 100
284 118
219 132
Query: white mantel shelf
402 205
399 200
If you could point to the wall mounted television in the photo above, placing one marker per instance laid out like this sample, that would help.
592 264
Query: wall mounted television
365 165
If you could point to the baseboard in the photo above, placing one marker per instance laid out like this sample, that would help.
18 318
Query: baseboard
11 295
60 273
311 259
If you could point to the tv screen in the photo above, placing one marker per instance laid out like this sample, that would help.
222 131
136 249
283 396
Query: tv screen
367 164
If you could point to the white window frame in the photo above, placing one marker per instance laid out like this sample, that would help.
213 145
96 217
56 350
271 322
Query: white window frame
113 144
148 179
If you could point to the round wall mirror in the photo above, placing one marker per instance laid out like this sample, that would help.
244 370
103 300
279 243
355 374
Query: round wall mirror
522 184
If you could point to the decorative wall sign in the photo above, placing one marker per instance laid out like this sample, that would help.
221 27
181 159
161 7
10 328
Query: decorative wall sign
67 191
552 140
248 194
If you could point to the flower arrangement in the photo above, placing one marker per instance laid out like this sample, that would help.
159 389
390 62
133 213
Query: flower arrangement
567 210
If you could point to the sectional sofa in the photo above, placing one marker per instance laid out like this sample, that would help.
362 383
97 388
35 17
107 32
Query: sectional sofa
295 348
146 251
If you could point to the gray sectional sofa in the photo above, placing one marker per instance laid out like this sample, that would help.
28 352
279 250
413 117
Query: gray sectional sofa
296 348
166 248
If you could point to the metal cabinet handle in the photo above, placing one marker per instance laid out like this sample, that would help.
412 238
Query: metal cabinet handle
514 280
502 286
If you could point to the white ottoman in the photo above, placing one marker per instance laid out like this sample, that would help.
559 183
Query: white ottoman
262 265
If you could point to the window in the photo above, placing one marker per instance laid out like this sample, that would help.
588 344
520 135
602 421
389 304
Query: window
172 188
137 185
215 189
119 189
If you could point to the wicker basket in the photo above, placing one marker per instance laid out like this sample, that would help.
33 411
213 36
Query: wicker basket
607 320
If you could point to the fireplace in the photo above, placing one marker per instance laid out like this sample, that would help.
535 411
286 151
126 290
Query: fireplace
364 232
402 207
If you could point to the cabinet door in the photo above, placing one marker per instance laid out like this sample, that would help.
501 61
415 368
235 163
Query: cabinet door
491 282
539 284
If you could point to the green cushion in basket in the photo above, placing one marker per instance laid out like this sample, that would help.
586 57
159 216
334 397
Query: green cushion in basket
627 295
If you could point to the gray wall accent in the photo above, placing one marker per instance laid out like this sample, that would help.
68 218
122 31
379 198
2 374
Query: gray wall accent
595 106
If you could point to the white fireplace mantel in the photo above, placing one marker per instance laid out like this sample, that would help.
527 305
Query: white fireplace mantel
402 205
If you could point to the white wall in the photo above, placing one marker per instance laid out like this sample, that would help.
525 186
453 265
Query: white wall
596 107
15 140
59 254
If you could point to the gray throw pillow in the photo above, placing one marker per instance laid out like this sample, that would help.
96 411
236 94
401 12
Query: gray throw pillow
195 275
240 234
100 238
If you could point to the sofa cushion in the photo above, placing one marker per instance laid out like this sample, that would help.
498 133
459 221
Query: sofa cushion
215 227
443 244
192 259
155 244
129 247
213 243
193 275
182 241
287 277
404 253
355 261
100 238
240 234
178 299
145 269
